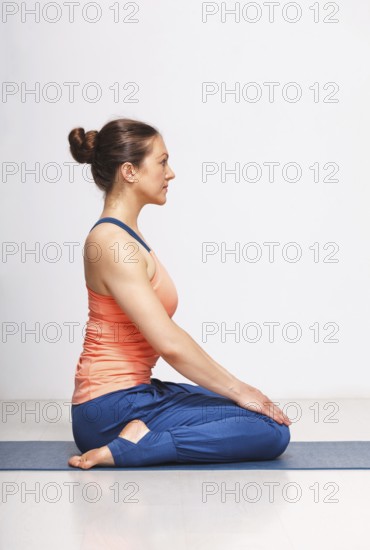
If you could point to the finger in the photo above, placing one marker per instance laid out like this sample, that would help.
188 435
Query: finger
279 415
275 412
285 419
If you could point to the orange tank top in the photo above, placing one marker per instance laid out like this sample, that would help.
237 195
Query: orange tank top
115 354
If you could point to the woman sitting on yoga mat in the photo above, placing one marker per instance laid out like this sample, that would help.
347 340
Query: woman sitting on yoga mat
121 415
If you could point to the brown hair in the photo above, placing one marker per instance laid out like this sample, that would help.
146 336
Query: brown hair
121 140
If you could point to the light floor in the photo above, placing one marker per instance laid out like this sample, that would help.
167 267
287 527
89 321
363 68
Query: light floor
144 510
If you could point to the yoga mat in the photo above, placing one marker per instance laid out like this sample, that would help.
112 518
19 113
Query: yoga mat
299 455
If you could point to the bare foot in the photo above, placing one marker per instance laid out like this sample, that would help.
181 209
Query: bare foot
101 455
133 431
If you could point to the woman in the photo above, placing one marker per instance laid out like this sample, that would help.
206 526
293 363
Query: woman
121 416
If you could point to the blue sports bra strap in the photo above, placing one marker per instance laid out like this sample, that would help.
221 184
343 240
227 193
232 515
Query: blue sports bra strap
124 226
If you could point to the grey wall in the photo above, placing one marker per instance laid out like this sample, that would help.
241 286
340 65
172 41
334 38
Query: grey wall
182 57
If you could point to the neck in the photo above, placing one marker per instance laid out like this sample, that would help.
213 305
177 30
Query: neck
126 211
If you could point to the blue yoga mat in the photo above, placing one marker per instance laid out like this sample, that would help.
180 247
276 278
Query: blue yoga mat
300 455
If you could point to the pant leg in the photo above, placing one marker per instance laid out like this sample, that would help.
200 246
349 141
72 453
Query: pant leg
180 432
183 386
99 420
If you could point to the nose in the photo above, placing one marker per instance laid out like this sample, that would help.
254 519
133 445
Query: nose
170 174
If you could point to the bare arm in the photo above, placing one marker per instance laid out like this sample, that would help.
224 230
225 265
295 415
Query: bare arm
128 283
190 360
193 362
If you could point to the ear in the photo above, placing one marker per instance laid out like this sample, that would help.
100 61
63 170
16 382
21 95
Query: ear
127 171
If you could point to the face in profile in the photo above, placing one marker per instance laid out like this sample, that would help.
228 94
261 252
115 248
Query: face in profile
154 175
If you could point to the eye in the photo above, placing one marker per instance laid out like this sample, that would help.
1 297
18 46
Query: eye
164 161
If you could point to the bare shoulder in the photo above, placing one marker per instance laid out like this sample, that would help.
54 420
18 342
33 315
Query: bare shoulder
110 249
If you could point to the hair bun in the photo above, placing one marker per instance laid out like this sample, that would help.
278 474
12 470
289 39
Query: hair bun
82 145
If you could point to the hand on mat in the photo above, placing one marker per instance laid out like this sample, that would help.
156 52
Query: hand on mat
254 400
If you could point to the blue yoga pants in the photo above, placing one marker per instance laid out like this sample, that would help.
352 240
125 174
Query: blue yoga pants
187 423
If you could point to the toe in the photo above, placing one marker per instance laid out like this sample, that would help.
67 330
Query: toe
74 461
84 462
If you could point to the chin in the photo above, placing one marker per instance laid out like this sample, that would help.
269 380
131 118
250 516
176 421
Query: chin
159 201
